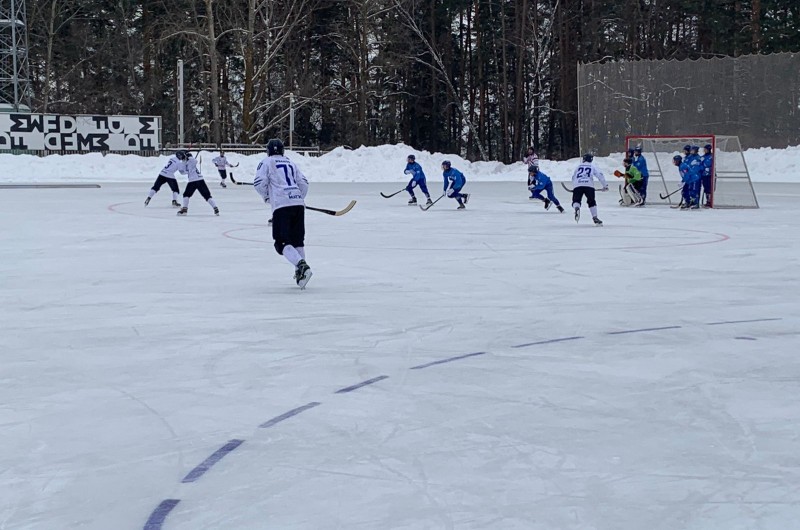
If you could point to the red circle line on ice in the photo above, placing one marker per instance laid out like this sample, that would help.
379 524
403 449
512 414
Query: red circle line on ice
715 237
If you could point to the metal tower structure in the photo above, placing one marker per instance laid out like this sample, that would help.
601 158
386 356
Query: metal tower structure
15 81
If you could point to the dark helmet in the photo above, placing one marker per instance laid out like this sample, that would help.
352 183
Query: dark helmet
446 164
180 155
630 153
708 147
274 147
637 149
412 157
687 148
695 148
677 158
533 168
588 157
627 161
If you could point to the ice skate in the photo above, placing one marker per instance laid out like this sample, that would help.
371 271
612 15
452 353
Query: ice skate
577 215
222 183
597 221
547 204
412 201
183 211
560 209
302 274
176 204
695 205
216 210
684 206
147 201
465 197
461 206
429 202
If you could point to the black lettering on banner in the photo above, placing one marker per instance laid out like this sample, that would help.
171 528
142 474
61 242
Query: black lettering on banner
68 124
27 123
5 140
52 124
18 142
148 125
100 123
52 142
132 142
147 144
92 142
115 126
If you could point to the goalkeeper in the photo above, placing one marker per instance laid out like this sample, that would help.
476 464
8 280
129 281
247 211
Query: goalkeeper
631 192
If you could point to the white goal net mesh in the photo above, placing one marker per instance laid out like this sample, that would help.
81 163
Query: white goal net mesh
730 185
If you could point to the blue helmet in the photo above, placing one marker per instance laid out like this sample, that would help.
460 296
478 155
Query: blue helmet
533 168
412 157
588 157
687 148
708 147
446 164
695 148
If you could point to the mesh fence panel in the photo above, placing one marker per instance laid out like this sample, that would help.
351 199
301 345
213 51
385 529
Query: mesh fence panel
754 97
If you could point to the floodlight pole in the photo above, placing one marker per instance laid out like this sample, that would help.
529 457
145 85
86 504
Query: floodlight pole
180 101
291 120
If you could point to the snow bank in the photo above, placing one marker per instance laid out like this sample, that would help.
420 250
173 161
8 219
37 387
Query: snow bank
383 163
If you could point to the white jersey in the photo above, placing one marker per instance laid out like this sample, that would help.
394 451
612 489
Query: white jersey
221 162
172 166
280 182
585 175
192 171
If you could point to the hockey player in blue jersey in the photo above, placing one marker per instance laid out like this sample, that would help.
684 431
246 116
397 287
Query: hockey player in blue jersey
417 179
539 182
707 161
690 176
640 163
454 180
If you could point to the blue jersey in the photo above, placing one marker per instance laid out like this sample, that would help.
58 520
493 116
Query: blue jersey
453 178
415 170
707 162
695 161
542 181
689 172
641 164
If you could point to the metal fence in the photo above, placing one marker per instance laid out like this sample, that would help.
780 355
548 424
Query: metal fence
754 97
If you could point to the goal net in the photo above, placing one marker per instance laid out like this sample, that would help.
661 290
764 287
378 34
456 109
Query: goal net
731 186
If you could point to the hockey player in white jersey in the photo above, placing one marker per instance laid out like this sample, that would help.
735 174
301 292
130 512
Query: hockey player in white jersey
177 162
583 186
284 186
221 163
196 183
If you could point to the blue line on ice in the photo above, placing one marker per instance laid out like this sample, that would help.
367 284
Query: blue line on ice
742 321
206 464
156 519
448 360
642 330
362 383
287 415
548 341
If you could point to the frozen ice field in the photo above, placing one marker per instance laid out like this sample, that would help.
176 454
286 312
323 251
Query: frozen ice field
496 368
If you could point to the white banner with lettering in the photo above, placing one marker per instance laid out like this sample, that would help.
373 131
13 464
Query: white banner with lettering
62 132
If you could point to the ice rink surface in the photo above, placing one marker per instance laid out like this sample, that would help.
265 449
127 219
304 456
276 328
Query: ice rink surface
496 368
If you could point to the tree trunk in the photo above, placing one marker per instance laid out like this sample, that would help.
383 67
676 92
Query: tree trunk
214 65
